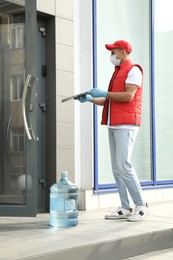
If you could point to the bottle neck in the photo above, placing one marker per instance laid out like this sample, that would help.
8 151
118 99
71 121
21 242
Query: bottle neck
64 178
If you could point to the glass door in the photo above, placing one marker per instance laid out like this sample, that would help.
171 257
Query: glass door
17 107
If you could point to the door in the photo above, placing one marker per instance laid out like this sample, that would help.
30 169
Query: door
20 135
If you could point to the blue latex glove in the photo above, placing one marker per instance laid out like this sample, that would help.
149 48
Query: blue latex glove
96 93
85 98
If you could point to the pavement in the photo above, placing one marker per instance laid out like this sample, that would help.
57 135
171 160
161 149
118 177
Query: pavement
93 238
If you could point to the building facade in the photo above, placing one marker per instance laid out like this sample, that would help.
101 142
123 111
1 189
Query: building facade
53 49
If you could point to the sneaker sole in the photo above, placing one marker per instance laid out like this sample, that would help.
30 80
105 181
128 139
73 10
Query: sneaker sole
108 217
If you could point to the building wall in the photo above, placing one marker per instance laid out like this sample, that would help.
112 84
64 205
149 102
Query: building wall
74 122
63 11
65 86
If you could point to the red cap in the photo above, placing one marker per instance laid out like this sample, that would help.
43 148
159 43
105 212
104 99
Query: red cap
119 44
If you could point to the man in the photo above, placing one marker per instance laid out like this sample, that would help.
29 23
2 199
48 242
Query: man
122 114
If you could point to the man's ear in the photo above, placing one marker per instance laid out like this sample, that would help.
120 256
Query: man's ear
124 52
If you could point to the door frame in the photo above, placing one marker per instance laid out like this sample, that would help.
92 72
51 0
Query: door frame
31 207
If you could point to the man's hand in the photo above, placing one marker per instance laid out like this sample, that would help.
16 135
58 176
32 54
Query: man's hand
85 98
96 93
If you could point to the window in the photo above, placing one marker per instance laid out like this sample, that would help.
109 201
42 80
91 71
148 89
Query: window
163 56
128 20
17 36
17 140
16 87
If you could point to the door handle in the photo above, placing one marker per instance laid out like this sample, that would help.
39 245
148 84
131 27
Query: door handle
26 85
7 137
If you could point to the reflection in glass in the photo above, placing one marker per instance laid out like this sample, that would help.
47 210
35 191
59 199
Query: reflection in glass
16 87
121 26
12 75
17 36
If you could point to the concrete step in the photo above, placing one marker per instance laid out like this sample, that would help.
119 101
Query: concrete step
117 249
93 238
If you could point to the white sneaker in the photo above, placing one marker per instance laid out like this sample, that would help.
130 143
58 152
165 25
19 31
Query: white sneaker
120 213
139 214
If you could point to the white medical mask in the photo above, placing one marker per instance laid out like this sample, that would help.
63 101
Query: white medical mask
114 60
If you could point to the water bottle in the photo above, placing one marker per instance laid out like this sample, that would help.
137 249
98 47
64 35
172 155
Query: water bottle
63 203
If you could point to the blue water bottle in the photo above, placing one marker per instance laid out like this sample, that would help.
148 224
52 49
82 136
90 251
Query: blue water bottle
63 203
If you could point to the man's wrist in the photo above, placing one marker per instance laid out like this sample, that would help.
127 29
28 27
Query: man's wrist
105 93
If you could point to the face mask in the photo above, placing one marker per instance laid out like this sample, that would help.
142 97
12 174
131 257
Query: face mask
114 60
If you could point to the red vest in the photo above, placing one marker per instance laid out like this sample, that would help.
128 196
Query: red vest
123 112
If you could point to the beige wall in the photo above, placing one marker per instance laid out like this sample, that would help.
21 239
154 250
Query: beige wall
65 86
64 13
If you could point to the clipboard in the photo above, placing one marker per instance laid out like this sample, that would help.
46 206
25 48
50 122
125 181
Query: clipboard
75 96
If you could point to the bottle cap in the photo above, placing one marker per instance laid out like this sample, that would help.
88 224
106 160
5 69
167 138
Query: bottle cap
64 174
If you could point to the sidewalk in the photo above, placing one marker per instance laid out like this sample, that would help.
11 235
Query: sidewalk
33 238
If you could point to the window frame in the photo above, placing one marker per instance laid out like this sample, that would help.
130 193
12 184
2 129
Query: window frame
153 183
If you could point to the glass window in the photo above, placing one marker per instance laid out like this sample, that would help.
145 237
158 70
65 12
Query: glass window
128 20
12 74
163 38
17 36
16 87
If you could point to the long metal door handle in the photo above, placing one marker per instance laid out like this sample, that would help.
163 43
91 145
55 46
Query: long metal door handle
8 137
8 127
26 85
